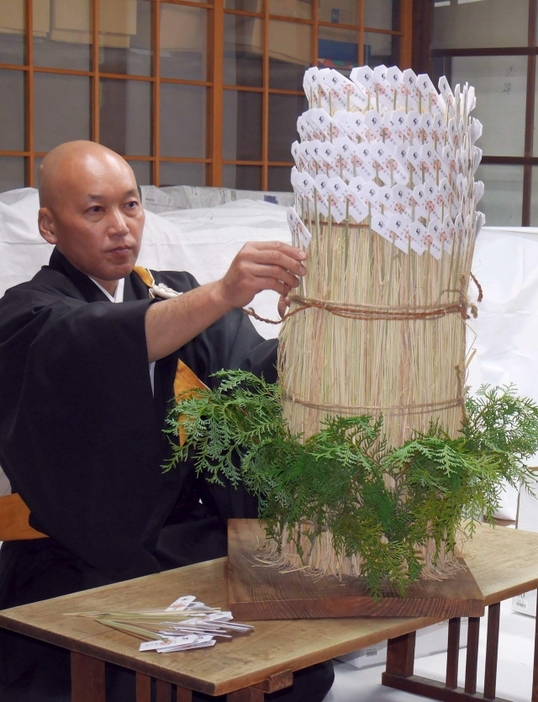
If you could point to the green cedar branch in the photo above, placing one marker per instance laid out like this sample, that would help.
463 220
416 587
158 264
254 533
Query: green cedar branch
336 479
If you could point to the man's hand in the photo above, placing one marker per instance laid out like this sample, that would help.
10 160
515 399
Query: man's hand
258 266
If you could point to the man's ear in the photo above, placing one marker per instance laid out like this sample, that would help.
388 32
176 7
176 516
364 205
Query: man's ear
45 222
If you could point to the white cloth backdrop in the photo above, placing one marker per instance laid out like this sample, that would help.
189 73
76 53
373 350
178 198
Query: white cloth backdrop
204 241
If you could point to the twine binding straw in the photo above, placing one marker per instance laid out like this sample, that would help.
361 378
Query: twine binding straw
355 411
370 312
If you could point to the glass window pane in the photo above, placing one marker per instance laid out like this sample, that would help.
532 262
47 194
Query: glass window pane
381 14
183 42
67 41
242 177
243 50
279 179
11 48
338 11
501 85
11 173
535 145
142 171
183 120
12 111
291 8
245 5
182 173
534 199
338 48
283 113
62 109
125 116
12 26
242 127
503 196
290 54
125 37
380 49
61 54
479 24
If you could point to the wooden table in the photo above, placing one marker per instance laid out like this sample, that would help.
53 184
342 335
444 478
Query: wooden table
503 561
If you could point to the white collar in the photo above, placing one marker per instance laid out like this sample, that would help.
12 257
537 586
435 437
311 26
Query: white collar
118 293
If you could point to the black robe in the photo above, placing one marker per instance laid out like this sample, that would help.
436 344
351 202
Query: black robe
80 428
81 440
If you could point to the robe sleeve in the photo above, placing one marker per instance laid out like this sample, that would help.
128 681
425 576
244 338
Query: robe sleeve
231 342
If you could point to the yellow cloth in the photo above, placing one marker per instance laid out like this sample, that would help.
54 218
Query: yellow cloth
14 520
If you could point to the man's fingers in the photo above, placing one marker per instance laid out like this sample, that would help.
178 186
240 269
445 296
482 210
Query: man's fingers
273 284
263 266
287 249
276 253
281 274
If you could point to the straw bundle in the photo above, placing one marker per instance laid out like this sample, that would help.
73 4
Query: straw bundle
378 325
380 332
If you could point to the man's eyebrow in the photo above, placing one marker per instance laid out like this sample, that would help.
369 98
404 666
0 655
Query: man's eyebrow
99 196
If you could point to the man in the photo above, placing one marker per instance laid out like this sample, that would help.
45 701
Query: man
86 385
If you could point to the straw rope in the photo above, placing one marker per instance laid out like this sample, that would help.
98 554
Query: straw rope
370 312
367 312
392 410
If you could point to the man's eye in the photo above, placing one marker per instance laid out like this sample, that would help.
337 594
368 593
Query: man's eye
94 209
132 205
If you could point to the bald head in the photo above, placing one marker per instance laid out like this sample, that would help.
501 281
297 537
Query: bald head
90 210
66 165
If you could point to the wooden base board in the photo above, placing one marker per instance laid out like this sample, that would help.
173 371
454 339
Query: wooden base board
256 591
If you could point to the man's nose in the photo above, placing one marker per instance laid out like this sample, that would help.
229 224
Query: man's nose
117 223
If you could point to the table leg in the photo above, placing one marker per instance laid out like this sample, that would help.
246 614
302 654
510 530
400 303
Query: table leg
183 695
453 653
492 651
87 678
471 665
534 697
401 655
143 688
163 691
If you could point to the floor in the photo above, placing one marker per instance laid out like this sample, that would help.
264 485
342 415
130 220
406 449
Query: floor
514 677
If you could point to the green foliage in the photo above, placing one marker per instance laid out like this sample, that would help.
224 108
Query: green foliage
336 479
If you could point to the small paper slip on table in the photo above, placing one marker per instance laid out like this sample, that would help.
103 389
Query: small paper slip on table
503 561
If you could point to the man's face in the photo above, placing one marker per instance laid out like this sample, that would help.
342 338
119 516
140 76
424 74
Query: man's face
97 219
